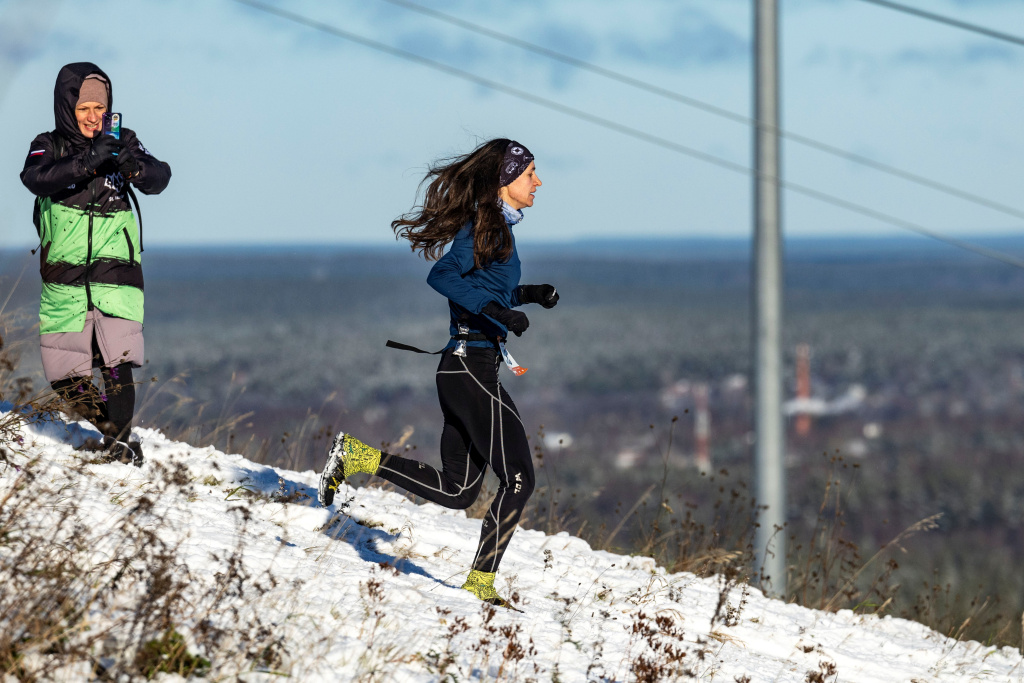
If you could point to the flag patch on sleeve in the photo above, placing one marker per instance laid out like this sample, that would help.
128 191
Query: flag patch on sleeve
37 152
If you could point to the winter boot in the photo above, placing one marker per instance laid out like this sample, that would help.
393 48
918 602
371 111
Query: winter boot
92 444
348 456
136 448
481 584
127 453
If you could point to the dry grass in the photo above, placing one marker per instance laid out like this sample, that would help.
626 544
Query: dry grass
827 570
114 599
151 622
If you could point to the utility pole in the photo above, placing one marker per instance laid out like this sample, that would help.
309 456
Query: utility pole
770 539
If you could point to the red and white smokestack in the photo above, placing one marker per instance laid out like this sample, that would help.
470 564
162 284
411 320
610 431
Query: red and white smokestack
702 427
803 386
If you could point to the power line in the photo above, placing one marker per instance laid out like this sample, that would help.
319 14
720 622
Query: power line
709 108
626 130
949 21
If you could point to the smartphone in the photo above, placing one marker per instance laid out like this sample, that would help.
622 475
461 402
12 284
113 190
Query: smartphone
112 124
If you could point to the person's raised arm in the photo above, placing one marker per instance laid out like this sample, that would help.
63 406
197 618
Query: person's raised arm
44 174
142 169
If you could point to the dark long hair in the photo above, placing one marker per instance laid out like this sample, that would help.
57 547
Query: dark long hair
464 188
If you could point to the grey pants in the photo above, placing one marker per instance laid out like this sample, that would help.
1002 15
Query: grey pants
70 354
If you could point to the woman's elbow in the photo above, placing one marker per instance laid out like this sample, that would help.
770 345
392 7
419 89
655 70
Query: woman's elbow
35 186
438 278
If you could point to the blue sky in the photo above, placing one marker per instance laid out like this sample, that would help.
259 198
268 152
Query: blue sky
279 134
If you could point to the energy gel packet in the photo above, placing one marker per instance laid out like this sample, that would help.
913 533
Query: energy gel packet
515 367
460 345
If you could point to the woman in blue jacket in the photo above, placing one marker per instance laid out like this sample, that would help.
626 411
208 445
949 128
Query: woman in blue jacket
473 202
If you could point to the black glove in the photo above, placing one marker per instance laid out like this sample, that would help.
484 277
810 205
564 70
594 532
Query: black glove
545 295
103 149
516 321
126 163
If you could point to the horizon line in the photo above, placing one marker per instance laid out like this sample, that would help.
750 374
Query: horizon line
599 240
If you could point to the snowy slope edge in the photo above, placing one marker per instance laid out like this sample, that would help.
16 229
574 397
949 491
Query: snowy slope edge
370 587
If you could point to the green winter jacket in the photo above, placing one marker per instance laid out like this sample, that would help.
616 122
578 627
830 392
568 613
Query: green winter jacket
90 242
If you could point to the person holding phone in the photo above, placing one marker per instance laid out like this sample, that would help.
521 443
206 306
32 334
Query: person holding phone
473 203
91 306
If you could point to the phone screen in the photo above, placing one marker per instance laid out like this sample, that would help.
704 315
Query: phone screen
112 124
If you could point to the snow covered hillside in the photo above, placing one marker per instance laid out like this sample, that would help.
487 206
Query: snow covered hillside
369 588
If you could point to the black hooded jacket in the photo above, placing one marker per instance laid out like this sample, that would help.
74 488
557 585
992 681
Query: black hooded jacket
47 176
89 238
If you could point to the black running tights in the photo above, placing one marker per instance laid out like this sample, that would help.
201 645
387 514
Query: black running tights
481 427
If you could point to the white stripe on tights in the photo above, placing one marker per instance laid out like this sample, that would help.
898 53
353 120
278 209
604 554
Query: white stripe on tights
441 491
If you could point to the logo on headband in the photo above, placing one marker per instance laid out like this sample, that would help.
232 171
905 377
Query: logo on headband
517 159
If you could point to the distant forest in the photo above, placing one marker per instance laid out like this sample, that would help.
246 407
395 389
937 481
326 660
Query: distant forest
291 342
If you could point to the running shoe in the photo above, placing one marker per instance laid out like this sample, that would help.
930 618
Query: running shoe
481 584
348 455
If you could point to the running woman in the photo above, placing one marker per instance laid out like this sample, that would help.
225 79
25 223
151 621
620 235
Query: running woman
472 202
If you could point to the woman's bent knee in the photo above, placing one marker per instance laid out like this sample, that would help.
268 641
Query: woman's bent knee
463 500
527 487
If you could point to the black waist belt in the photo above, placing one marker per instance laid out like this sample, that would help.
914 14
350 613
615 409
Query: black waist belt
476 336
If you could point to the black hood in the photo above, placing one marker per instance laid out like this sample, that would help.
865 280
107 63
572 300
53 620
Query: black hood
65 98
